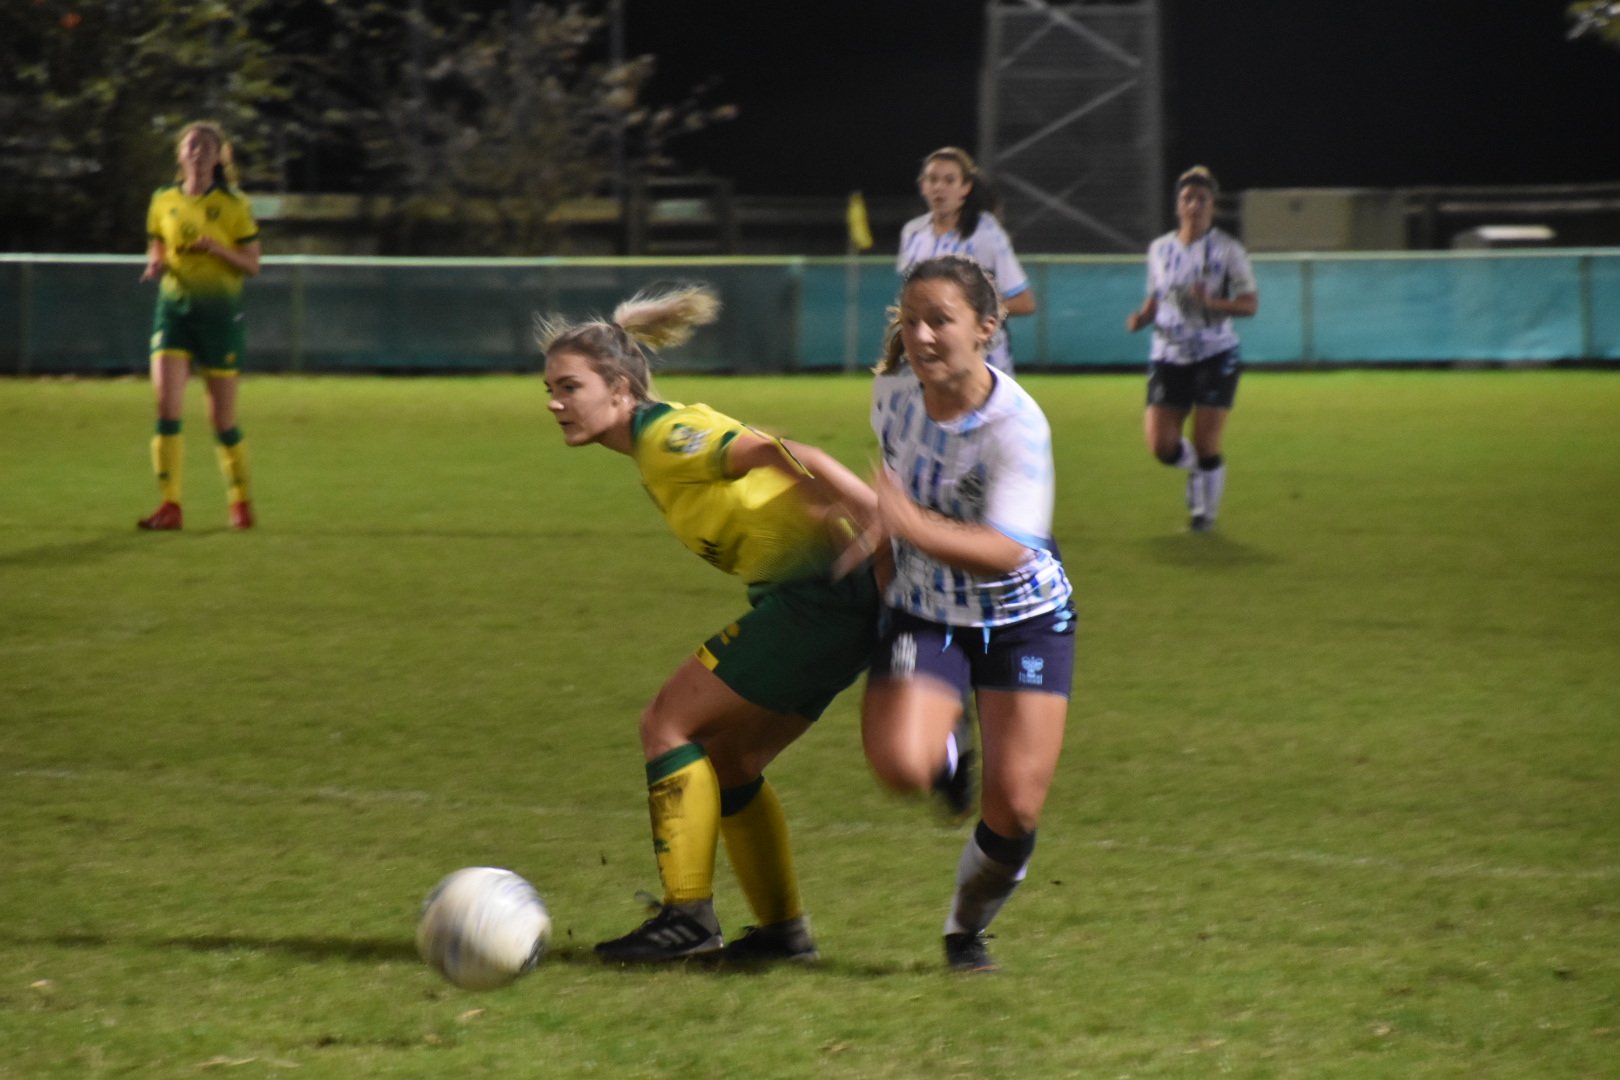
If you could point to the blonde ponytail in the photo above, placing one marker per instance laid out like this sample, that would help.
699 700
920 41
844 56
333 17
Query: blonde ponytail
665 319
651 319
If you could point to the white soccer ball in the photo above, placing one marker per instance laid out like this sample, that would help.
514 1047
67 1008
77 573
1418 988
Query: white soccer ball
482 927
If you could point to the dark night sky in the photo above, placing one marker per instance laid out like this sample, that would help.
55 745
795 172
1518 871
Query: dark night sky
843 94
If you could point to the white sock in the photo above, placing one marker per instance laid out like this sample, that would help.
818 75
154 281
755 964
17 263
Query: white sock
1214 487
1196 493
982 886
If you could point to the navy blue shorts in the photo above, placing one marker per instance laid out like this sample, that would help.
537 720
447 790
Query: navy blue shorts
1210 383
1036 654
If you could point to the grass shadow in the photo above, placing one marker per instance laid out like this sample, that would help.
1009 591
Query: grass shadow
1211 550
403 950
107 545
841 969
360 950
72 551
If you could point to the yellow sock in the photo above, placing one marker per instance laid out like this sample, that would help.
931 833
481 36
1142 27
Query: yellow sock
168 462
233 464
756 836
683 797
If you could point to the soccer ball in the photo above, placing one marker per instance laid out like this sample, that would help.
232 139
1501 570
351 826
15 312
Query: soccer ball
482 927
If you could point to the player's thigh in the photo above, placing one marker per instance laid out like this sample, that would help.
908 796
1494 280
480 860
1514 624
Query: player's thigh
694 705
904 725
1022 735
221 400
221 335
1161 427
799 647
920 673
741 750
169 372
1209 427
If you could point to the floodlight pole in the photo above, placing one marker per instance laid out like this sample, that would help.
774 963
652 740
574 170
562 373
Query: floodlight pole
1070 122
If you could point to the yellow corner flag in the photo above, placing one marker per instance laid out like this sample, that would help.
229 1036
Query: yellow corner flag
860 230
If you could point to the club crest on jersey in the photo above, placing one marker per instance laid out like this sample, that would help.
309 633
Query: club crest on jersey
1033 667
685 440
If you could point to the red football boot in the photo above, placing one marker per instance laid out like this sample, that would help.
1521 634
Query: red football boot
242 515
165 517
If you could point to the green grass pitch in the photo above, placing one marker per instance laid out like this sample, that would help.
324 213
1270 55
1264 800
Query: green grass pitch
1340 798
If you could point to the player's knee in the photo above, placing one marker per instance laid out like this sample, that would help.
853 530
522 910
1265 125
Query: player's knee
1169 454
1026 817
1015 813
901 772
661 729
736 765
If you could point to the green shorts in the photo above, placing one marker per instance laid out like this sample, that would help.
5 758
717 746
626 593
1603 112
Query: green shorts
208 329
800 646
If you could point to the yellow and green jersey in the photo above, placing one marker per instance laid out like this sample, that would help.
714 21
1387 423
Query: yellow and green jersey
178 220
756 526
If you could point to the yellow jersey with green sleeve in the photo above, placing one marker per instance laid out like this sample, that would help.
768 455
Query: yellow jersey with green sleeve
756 526
179 220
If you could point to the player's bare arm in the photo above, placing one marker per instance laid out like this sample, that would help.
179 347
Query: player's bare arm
976 548
1238 307
156 255
1022 304
244 257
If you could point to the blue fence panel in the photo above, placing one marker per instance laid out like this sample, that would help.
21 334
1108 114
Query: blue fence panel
1603 307
89 316
418 314
1416 308
1079 318
826 315
1279 331
92 314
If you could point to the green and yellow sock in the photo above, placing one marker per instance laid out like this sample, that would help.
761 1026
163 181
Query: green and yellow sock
756 835
683 798
169 458
233 464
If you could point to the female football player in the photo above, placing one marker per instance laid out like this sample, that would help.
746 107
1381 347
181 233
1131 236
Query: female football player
202 242
961 221
777 515
1199 280
978 601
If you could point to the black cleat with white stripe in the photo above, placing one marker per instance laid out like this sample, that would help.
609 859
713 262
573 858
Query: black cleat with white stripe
671 934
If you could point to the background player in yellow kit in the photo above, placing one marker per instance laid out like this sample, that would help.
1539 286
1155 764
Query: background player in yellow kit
202 242
777 515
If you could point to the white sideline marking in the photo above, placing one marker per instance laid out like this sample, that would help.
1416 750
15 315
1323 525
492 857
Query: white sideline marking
844 828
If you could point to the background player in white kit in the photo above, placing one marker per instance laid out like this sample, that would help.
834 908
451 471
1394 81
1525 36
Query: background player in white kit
1199 280
961 220
978 599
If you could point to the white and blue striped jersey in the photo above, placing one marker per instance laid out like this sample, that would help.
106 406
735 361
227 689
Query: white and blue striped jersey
992 467
990 247
1183 331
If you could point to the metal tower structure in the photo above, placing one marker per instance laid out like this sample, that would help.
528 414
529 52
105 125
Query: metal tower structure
1071 123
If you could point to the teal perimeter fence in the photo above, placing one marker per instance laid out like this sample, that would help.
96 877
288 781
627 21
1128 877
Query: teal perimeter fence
62 315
